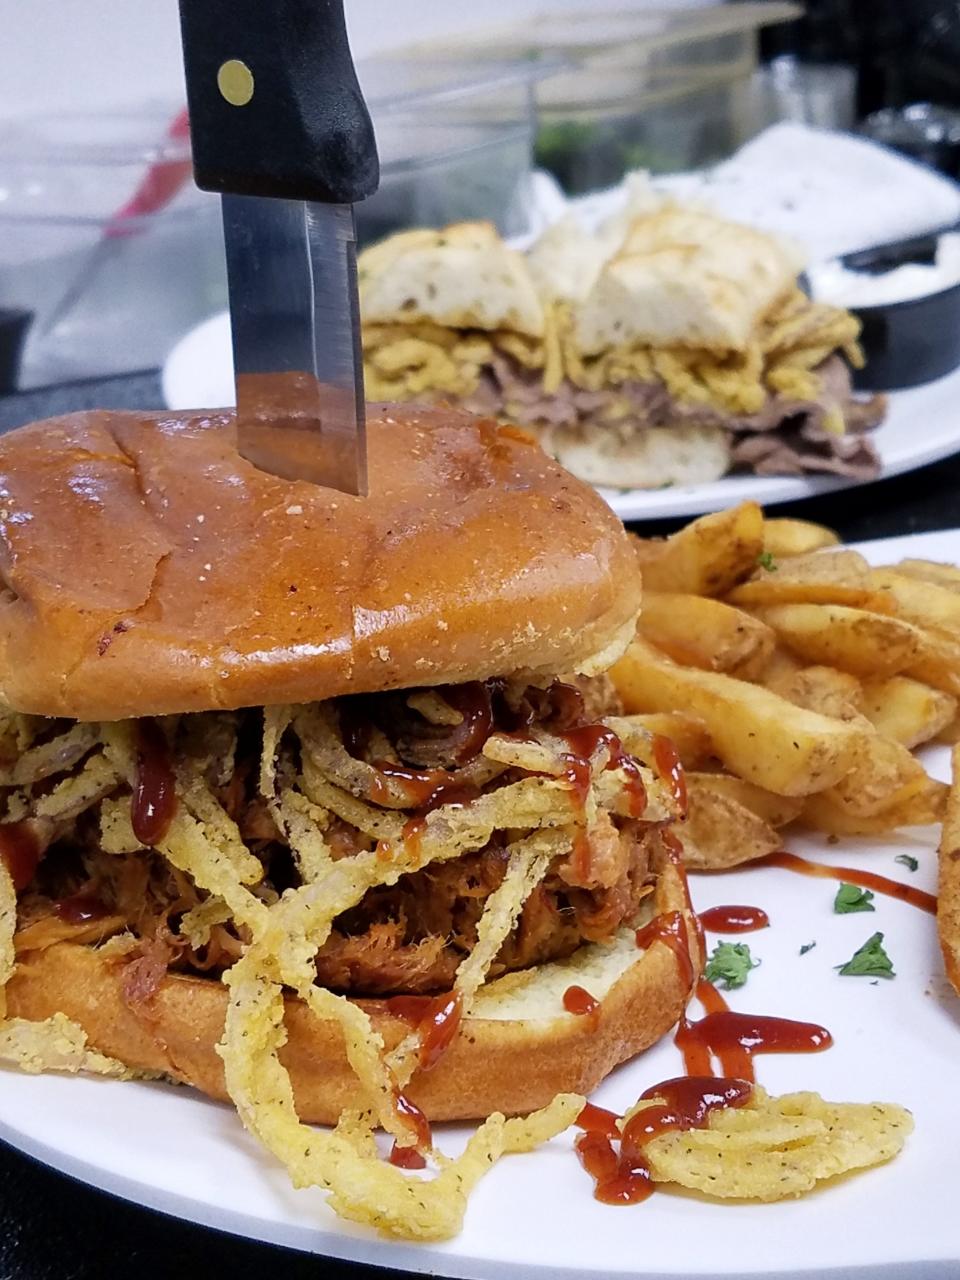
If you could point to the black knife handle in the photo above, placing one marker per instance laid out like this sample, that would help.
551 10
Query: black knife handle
275 107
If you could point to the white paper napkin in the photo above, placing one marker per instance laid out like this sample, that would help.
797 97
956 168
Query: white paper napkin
834 193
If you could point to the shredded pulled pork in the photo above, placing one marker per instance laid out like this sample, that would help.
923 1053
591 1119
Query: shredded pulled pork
337 781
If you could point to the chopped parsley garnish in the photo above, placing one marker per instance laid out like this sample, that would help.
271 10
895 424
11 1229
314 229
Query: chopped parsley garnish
807 946
730 964
871 961
766 561
852 898
907 860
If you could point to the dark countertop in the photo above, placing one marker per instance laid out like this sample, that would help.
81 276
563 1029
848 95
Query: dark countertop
52 1228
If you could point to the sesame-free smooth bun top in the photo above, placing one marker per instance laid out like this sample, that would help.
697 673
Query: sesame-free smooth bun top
149 569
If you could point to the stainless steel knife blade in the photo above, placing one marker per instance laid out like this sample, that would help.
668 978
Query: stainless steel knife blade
292 273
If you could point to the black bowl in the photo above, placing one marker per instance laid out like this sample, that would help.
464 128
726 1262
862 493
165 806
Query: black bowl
13 333
927 133
909 343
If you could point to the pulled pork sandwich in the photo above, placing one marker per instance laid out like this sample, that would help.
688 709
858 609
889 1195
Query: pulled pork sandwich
322 803
671 347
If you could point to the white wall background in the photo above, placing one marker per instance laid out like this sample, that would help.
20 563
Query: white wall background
82 54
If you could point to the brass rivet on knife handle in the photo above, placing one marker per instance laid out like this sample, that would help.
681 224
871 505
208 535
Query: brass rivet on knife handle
235 82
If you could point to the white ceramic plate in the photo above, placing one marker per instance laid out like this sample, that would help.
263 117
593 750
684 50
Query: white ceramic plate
922 425
534 1215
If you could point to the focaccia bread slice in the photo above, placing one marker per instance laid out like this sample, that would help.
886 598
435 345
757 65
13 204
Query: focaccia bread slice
463 277
684 277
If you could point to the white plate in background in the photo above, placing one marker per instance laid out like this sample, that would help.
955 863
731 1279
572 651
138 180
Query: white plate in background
533 1216
922 426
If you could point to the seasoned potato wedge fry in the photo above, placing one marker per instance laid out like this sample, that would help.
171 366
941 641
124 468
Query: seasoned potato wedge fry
773 809
758 735
719 832
950 734
907 710
944 575
823 689
885 774
780 668
783 537
831 577
843 566
925 603
810 710
825 813
938 662
701 632
862 643
688 734
948 887
771 590
708 556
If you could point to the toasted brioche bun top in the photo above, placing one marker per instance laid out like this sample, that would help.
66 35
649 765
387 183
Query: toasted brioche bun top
149 569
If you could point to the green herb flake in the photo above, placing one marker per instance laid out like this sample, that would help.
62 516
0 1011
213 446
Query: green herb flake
807 946
730 964
852 898
907 860
766 561
871 961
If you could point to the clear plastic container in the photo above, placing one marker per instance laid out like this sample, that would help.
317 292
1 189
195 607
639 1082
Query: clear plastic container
821 94
108 292
455 139
665 90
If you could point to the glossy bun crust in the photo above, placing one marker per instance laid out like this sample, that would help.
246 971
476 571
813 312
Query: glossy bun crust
508 1064
148 569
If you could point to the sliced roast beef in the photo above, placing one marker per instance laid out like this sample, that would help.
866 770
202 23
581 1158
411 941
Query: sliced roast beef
785 437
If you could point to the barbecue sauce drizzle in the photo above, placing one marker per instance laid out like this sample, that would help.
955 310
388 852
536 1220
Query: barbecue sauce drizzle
475 704
734 1038
670 929
154 800
582 745
687 1103
20 852
579 1001
865 879
667 760
734 919
425 789
413 1119
406 1157
435 1018
81 908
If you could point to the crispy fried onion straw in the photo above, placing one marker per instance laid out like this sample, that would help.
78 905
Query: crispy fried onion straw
362 1187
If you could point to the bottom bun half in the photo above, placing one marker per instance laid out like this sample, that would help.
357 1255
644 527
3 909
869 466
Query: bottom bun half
514 1053
636 457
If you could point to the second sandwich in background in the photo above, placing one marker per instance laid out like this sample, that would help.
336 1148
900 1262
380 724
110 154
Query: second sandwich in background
671 346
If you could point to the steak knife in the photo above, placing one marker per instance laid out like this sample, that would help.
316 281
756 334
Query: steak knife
280 129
